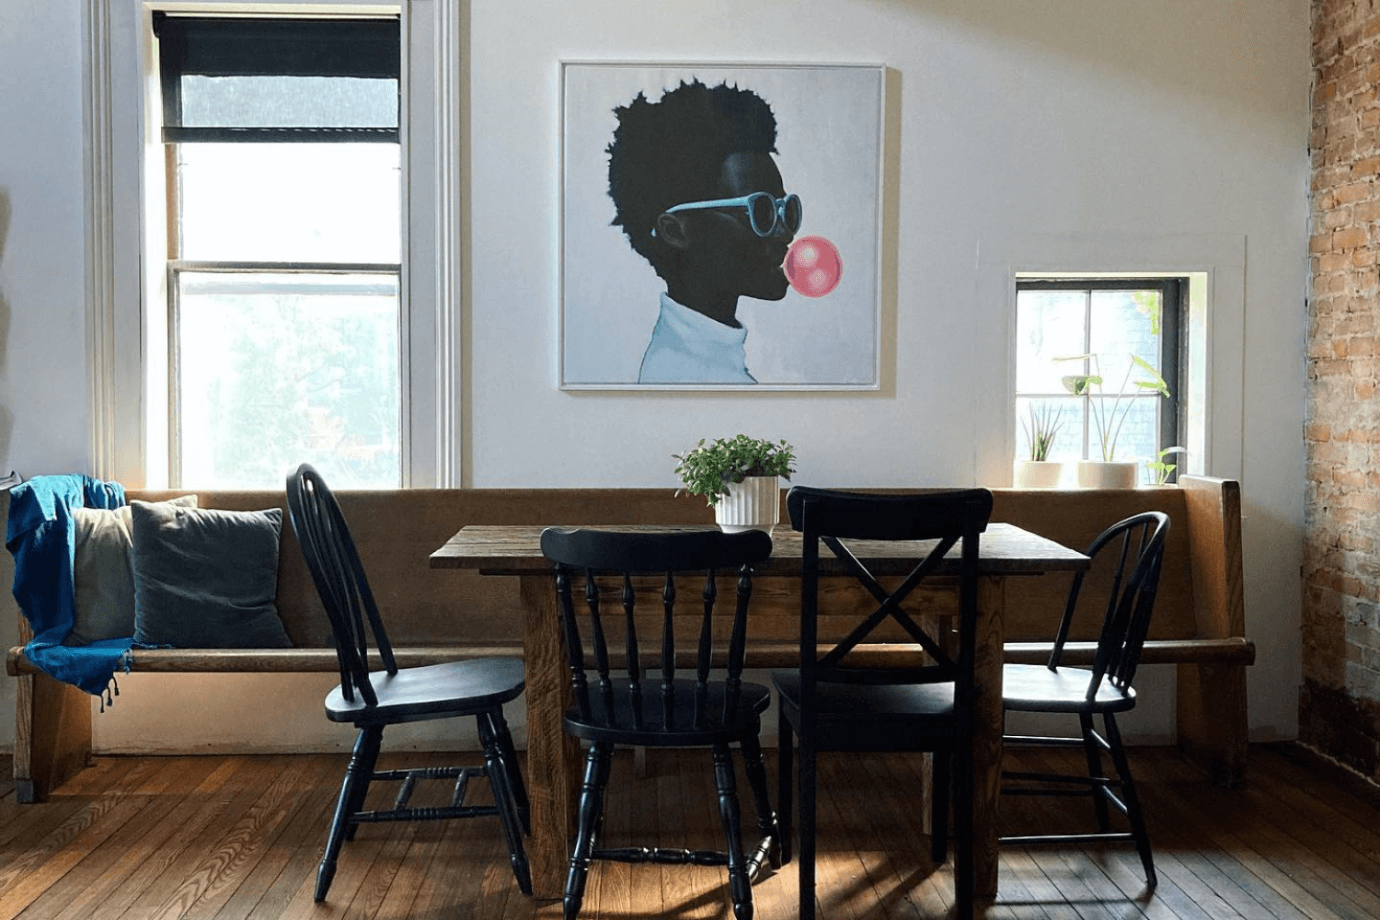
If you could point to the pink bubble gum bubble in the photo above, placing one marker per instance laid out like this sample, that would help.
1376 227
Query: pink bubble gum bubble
813 266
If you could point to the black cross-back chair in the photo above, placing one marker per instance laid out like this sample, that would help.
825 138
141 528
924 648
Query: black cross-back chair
619 702
1130 553
829 705
373 700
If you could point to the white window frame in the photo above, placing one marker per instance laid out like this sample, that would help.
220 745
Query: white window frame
126 233
1214 263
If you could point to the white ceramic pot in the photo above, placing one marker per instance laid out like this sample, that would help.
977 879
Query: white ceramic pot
753 504
1038 474
1108 474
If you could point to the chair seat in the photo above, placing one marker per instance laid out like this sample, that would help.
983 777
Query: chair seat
1036 688
455 688
839 705
617 726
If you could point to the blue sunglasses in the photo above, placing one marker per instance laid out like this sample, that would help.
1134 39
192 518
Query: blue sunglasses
766 214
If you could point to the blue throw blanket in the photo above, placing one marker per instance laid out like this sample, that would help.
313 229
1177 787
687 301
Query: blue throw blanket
42 539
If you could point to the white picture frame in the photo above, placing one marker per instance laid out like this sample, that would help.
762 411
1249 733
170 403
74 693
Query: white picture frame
829 144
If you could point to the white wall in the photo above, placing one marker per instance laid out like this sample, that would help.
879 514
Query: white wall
1114 132
43 418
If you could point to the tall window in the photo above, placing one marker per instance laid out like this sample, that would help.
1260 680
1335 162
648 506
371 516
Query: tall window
284 248
1097 359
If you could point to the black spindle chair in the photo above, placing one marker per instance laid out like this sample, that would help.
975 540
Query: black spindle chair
373 700
622 703
830 704
1126 557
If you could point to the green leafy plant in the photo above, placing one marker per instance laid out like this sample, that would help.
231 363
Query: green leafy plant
1109 419
1042 428
1159 469
709 468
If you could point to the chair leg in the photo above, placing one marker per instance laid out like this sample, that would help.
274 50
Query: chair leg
941 778
352 792
808 780
1131 799
369 759
739 882
497 769
369 754
768 835
1093 752
591 813
965 874
505 742
785 769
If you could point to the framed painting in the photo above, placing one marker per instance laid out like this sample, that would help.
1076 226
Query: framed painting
720 226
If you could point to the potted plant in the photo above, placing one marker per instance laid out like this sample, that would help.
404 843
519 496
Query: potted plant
1109 472
739 477
1161 469
1037 471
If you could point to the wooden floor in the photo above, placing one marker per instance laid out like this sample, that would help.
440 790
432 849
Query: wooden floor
233 838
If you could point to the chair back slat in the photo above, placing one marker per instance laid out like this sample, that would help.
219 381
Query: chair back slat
668 649
341 584
940 521
595 558
1134 550
631 651
570 628
601 649
737 643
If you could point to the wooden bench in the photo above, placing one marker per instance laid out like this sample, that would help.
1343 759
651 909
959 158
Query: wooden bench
443 615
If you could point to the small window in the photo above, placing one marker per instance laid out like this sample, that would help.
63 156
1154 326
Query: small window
284 249
1099 358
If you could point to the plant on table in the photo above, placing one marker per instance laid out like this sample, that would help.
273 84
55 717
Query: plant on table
708 469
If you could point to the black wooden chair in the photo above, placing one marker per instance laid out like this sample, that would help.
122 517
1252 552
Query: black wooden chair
1128 556
620 703
832 705
373 700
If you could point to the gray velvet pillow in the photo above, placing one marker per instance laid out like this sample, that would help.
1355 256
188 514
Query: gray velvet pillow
206 578
103 580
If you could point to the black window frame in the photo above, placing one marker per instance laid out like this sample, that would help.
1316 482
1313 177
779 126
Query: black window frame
1172 339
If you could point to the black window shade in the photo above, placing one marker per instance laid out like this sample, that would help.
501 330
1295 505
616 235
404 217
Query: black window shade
232 78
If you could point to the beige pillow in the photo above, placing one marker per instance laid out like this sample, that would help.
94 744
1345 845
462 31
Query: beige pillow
103 576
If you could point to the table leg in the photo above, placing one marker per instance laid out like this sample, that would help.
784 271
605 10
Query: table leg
987 733
553 758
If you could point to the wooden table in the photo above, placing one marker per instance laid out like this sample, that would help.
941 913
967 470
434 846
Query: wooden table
553 759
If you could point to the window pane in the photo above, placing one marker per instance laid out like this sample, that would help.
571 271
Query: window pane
290 202
288 102
1124 323
1117 325
1049 325
277 369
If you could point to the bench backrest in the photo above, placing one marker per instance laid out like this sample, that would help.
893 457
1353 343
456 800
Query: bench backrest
397 531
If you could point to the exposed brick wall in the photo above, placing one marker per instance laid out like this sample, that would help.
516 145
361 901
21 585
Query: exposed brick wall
1339 710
